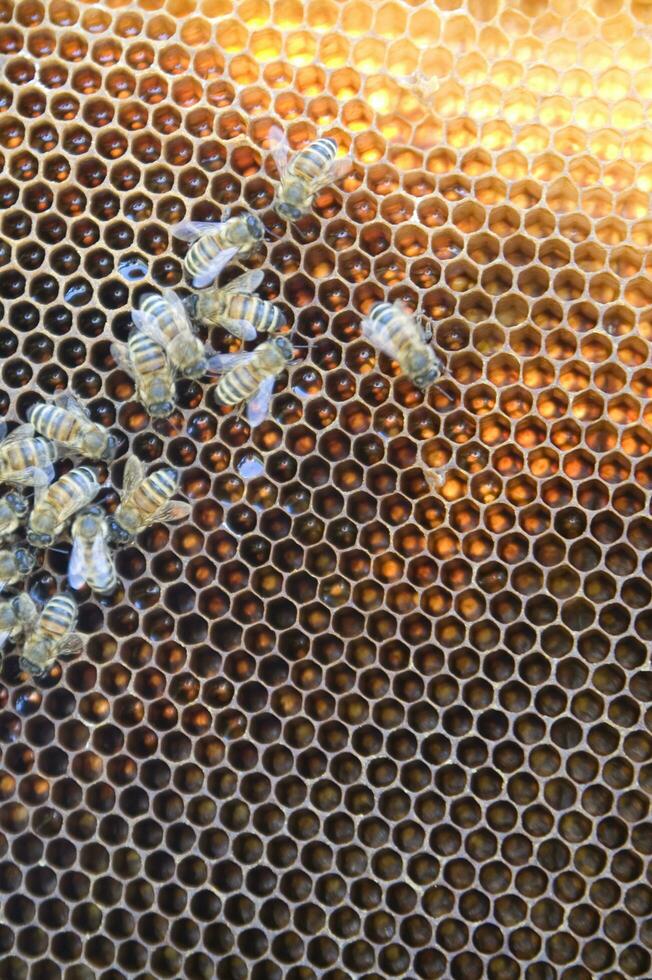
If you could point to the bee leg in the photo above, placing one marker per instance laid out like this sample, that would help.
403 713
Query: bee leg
427 327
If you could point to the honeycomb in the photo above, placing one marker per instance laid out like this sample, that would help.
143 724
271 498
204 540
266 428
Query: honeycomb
340 724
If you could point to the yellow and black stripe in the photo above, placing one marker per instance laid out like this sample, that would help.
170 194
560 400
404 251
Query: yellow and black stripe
59 616
23 454
395 329
260 313
310 164
147 356
152 493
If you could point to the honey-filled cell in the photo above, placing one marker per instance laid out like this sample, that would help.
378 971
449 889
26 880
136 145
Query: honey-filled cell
378 705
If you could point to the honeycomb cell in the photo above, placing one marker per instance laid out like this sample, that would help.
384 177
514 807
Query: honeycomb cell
380 706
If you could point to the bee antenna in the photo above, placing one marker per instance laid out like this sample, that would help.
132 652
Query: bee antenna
450 398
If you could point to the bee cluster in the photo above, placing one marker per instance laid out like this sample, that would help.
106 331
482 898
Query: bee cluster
56 431
161 348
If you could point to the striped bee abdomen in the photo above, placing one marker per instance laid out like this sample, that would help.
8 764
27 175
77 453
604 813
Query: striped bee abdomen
153 492
261 314
148 356
59 616
311 162
19 455
55 423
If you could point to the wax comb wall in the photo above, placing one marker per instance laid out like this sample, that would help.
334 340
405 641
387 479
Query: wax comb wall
340 724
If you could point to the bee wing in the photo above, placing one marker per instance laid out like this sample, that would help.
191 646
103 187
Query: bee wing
280 149
177 307
173 510
213 269
122 357
24 431
341 166
4 636
69 402
337 169
148 325
133 475
222 362
26 609
190 231
248 282
33 476
372 333
70 646
239 328
259 402
77 564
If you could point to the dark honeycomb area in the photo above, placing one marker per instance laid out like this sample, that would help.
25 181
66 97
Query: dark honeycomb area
341 724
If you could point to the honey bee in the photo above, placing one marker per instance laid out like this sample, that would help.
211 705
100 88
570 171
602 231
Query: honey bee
147 363
164 319
215 243
13 511
394 330
15 564
51 635
66 422
26 459
302 177
250 375
15 614
234 308
90 559
147 499
54 505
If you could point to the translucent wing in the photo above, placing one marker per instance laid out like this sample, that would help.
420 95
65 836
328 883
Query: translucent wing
26 610
77 567
71 646
173 510
238 327
4 636
248 282
212 270
133 475
177 307
341 167
147 323
280 149
223 362
100 554
373 334
190 231
259 403
69 402
24 431
33 476
122 357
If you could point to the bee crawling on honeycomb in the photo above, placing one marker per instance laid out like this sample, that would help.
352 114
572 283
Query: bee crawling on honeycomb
392 328
305 174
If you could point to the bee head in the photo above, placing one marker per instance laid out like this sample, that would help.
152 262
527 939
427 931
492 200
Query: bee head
283 345
117 533
39 540
255 227
17 503
289 211
426 371
25 560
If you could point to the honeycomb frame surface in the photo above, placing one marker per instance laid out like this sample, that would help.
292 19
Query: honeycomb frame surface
338 724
